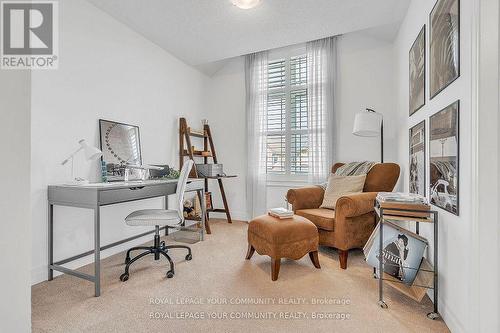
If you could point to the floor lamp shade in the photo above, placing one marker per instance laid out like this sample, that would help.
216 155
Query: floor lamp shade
367 123
370 124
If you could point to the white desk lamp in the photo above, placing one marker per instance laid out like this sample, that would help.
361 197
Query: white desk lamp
370 124
91 153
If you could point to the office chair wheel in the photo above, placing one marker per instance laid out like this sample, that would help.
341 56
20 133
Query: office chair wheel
170 274
124 277
189 257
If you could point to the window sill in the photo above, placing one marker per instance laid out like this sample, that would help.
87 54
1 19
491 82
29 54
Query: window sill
291 182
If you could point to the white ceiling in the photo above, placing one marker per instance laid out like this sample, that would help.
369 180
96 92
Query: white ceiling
205 31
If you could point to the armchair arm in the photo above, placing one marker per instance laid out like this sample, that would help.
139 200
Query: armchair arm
305 197
355 204
352 226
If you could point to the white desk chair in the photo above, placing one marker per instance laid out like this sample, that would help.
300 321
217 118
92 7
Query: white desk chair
157 218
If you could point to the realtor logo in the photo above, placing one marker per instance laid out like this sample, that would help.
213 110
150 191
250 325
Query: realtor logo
29 33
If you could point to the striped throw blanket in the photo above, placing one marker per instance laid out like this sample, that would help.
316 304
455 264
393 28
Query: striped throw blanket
352 169
355 168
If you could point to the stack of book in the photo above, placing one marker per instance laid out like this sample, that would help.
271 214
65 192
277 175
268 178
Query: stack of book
281 213
413 205
407 198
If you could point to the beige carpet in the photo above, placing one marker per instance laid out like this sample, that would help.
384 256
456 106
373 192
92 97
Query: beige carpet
218 272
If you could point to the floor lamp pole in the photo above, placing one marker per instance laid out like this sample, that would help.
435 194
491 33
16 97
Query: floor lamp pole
382 142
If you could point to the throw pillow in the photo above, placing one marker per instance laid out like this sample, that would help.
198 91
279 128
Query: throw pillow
338 186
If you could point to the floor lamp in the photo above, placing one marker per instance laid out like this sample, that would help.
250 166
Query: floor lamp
370 124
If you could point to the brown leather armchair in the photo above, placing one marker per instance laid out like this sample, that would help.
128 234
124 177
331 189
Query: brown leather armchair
351 223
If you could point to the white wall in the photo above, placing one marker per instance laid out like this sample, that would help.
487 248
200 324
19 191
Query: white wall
15 231
455 241
106 71
486 123
365 79
226 106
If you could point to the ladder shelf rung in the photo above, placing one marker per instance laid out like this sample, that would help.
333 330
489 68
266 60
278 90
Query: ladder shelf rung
196 133
198 153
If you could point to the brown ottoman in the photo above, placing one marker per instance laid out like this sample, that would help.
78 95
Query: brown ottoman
288 238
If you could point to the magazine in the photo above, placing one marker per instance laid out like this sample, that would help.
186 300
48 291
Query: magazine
402 251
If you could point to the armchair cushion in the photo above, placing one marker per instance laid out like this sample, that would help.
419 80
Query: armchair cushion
321 217
339 186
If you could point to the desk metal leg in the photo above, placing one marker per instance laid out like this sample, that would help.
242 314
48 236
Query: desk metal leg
166 207
50 241
97 252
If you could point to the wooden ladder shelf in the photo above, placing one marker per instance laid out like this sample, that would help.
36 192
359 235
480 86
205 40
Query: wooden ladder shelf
186 149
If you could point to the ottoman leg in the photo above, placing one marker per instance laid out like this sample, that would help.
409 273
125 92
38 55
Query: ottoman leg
275 268
250 252
314 258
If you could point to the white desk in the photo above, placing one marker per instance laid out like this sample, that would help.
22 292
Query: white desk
93 196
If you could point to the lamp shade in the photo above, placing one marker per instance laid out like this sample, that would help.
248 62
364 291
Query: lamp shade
91 153
245 4
367 123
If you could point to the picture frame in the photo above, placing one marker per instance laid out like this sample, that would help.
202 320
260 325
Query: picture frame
417 159
444 45
416 71
444 158
120 144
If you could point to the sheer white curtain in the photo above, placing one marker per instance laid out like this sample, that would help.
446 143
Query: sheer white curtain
321 73
256 78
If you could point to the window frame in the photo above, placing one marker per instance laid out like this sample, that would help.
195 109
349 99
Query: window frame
287 54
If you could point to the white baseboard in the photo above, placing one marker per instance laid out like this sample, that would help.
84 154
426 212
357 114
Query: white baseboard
450 319
447 315
235 215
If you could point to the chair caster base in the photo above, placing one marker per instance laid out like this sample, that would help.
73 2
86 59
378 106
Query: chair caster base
124 277
127 260
170 274
433 315
382 304
189 257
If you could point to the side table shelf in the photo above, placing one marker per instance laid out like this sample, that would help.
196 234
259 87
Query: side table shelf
395 216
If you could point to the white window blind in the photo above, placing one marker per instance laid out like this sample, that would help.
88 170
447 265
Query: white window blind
287 137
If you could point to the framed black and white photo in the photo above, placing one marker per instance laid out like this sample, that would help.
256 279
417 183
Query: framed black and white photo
121 146
417 73
417 159
444 158
444 45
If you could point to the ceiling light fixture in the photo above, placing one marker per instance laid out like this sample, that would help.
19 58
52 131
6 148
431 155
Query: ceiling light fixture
245 4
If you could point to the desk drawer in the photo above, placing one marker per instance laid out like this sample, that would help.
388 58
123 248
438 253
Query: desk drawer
138 192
